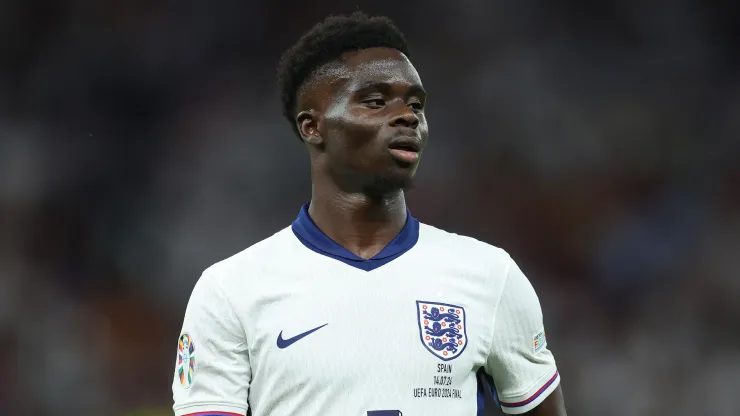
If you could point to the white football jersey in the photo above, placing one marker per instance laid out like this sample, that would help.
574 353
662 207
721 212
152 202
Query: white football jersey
297 325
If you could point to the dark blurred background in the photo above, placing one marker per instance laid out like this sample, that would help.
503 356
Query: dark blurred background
597 142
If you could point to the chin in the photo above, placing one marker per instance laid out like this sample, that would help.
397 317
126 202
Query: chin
386 184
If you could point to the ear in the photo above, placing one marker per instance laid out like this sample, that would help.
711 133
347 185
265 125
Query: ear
308 126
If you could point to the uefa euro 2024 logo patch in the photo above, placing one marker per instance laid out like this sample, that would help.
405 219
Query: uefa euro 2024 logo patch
539 340
185 360
442 329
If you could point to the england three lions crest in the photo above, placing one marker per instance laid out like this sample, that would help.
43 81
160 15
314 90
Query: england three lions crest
442 329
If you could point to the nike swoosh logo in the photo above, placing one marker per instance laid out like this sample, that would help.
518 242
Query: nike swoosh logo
285 343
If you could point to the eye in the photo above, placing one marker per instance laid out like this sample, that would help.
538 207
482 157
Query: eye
416 106
374 102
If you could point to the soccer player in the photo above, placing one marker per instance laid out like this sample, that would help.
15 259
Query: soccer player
357 308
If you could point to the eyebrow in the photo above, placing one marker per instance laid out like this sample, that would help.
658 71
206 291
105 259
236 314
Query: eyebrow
413 89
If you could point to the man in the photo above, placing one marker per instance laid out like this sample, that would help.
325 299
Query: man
357 308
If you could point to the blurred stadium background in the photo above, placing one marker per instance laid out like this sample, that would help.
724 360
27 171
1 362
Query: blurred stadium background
141 141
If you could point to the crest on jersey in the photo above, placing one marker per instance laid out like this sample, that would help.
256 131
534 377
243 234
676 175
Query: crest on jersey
185 360
442 329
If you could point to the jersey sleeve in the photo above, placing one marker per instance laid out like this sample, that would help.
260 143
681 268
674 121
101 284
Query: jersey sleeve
212 371
523 369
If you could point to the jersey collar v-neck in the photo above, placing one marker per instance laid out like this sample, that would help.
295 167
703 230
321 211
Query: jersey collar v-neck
313 238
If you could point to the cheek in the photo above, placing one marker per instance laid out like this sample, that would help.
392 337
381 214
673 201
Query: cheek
423 130
351 132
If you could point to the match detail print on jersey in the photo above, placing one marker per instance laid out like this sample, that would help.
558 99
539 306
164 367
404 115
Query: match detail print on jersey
185 360
442 329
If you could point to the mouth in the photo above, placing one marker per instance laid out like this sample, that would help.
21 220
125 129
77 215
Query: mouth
406 144
405 149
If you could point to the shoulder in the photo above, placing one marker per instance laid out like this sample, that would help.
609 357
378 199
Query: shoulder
458 244
253 261
463 249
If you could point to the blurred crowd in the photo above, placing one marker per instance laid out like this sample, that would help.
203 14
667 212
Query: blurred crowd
598 143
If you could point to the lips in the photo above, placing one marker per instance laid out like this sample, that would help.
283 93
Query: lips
406 143
405 149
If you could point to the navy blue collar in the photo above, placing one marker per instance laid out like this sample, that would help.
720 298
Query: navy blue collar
312 237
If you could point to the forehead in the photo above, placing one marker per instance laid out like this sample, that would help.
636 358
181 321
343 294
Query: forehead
355 71
382 65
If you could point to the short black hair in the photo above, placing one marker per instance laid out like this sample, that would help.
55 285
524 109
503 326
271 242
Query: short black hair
326 42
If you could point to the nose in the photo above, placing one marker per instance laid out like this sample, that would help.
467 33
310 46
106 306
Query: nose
405 118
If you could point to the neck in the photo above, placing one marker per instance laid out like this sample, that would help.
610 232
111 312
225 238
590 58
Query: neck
362 224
